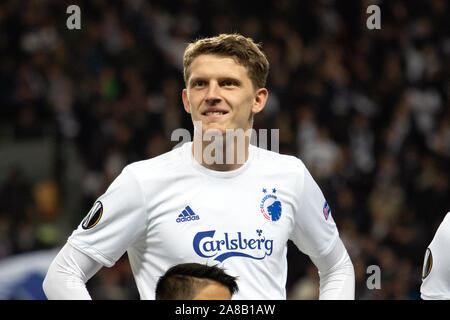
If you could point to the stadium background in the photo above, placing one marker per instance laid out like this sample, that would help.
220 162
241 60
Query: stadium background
368 111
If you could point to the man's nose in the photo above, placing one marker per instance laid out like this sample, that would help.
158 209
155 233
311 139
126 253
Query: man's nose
213 94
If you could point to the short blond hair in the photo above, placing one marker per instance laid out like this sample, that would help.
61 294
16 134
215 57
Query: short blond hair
244 50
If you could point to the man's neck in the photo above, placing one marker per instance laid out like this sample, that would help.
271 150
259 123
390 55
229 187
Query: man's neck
221 155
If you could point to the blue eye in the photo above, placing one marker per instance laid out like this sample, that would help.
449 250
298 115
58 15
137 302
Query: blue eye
198 83
228 83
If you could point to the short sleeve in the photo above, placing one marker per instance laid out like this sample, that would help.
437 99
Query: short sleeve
114 222
314 231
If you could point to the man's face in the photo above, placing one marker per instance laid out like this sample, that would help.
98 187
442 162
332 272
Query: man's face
221 95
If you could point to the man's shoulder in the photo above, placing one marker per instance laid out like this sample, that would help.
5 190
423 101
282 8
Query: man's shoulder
442 235
446 220
159 165
278 160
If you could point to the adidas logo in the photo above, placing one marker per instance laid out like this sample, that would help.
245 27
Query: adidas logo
187 215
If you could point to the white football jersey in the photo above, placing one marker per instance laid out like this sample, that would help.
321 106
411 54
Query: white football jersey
169 210
436 265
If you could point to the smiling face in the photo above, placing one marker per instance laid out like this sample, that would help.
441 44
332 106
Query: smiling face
221 95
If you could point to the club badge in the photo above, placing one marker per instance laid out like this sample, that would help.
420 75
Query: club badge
93 217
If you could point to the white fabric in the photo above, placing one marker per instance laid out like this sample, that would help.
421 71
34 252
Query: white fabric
436 286
233 220
67 275
337 282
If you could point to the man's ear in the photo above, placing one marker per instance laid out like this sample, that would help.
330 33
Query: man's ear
184 96
260 100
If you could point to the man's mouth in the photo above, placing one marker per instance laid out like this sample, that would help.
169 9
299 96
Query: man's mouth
214 112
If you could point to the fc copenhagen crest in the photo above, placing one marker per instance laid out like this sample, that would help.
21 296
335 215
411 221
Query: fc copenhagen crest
93 217
270 205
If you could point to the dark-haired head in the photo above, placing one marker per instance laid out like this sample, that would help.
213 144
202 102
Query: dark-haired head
190 281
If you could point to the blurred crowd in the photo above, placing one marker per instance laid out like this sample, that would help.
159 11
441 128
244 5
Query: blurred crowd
368 111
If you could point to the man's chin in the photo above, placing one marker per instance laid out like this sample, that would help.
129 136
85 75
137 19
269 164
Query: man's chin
214 129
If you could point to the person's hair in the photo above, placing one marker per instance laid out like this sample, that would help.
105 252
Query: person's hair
244 50
182 281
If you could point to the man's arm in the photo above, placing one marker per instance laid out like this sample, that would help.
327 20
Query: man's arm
436 265
316 235
337 276
68 273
